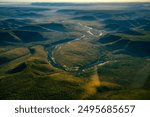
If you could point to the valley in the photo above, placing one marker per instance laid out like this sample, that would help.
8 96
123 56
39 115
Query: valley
75 51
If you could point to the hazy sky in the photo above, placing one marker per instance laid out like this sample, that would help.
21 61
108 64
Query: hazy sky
74 0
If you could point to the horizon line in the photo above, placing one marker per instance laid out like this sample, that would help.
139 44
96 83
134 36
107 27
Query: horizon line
75 2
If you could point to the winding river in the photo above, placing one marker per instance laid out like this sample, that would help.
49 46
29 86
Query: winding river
58 44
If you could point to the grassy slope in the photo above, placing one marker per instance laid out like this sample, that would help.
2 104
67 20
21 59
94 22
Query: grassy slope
76 54
132 76
39 80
